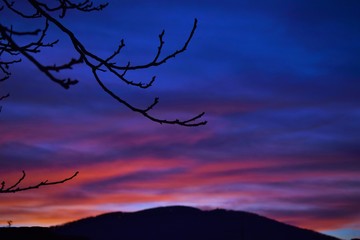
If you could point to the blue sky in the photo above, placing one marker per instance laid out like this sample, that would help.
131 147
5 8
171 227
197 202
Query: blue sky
279 83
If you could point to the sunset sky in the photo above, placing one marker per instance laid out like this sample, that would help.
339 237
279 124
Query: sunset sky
279 81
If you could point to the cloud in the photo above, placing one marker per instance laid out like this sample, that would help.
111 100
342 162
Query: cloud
278 82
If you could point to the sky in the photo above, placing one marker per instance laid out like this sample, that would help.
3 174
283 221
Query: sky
279 81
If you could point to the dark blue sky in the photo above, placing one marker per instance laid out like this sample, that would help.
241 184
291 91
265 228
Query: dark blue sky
279 82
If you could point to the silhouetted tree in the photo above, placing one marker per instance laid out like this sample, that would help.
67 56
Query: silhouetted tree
51 15
9 223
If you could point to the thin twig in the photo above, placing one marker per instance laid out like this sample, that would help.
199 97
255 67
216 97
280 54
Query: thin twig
14 188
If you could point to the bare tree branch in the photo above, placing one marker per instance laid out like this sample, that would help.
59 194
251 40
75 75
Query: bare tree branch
15 187
10 5
64 5
11 49
95 63
4 69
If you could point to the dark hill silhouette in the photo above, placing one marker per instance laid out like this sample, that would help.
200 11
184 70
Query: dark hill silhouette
36 233
185 223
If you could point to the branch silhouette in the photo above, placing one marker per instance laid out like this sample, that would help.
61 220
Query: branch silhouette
51 16
15 187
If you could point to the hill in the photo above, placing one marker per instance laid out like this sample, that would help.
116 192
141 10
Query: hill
175 223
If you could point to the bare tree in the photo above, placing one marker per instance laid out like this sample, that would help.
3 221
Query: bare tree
10 222
51 14
12 51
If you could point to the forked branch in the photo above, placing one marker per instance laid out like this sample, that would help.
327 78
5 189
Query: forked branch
15 187
84 56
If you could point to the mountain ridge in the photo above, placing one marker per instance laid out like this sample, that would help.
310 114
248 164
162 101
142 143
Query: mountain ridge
180 222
